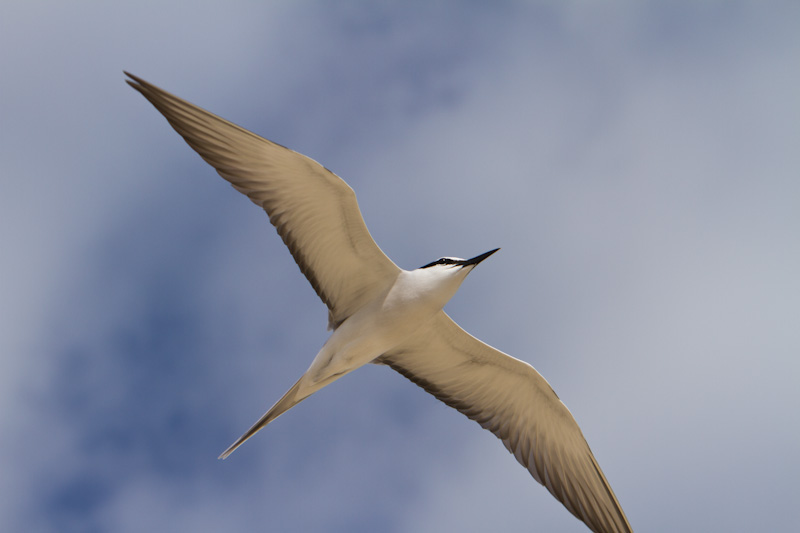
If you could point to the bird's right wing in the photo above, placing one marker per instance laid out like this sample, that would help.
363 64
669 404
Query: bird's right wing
512 400
314 211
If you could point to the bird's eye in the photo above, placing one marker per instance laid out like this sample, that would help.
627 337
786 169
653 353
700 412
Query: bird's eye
444 261
437 262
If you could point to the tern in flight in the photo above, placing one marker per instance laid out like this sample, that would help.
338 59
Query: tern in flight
382 314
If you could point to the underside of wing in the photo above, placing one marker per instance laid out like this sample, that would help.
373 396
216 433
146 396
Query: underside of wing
512 400
314 211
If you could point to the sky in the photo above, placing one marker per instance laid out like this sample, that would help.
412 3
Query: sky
637 162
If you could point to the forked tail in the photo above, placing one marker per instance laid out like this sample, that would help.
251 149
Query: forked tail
288 401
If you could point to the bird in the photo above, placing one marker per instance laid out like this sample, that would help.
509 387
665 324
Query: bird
384 315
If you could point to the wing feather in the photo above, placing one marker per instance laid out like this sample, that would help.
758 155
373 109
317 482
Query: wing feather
314 211
512 400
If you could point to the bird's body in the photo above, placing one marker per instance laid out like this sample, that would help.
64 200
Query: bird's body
394 313
382 314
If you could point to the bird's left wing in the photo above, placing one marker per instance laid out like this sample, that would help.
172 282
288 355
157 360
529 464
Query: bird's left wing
314 211
512 400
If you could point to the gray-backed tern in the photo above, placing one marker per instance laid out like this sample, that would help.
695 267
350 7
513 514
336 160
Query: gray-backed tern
382 314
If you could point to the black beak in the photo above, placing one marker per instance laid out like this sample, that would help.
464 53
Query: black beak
477 259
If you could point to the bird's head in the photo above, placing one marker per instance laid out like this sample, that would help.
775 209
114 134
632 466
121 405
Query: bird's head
456 264
443 276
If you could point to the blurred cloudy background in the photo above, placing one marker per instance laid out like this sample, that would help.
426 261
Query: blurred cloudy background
638 163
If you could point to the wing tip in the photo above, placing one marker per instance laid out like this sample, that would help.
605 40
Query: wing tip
134 81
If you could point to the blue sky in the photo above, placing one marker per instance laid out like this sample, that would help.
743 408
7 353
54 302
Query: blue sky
637 162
